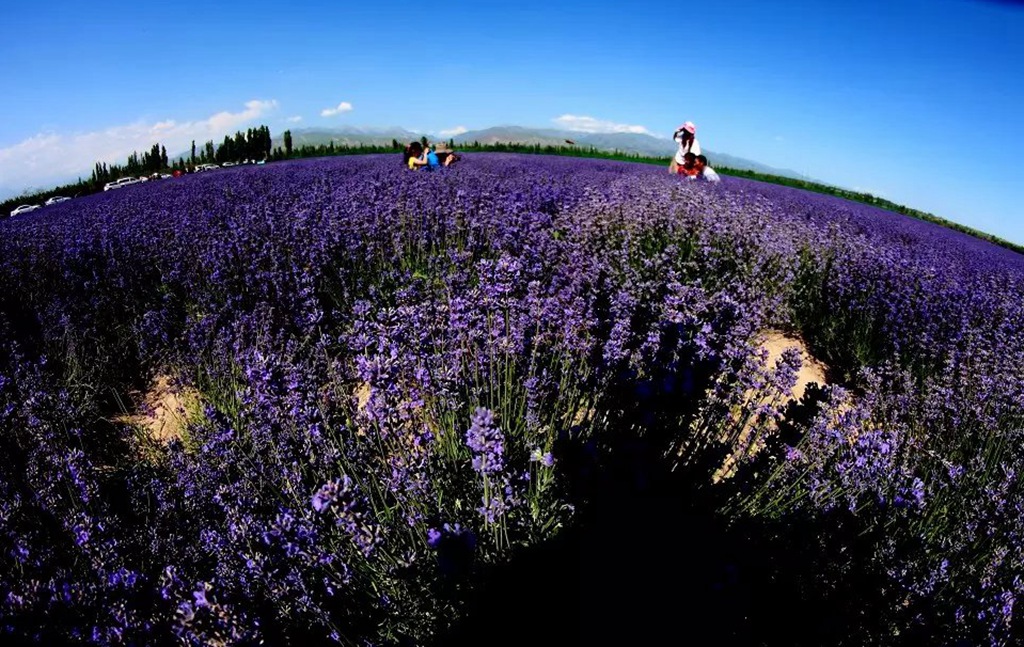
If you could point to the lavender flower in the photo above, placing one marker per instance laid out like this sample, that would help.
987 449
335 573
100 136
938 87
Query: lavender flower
330 492
544 458
487 443
335 316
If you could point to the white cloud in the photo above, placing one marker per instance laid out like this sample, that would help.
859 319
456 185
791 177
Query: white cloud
50 158
222 122
344 106
591 125
452 132
874 192
294 120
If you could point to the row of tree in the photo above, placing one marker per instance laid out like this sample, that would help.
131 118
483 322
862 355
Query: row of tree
152 161
568 149
253 144
289 151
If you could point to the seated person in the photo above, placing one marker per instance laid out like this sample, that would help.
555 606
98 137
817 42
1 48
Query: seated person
433 163
705 172
414 157
437 159
689 166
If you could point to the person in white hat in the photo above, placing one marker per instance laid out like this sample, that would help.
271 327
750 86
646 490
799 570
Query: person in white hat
686 137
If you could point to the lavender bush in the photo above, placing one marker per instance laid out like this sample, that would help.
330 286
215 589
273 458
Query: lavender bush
406 379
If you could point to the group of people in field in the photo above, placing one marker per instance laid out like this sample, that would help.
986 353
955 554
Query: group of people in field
418 155
688 161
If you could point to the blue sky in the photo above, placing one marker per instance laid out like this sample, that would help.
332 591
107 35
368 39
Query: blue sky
920 101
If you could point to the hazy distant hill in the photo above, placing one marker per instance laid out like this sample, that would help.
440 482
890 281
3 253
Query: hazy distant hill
624 142
350 135
632 143
518 134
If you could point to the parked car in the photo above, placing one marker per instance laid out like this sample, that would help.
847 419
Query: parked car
227 164
206 167
55 199
25 208
117 184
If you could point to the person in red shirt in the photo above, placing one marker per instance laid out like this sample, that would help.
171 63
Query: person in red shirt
689 166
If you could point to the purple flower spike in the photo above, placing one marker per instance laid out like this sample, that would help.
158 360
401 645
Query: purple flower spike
487 442
330 492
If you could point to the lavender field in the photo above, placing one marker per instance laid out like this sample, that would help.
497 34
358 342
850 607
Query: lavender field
522 393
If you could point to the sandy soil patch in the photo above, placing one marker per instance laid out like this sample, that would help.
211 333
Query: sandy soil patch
812 371
163 411
362 396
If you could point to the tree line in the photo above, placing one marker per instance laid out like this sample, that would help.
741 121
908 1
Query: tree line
288 151
254 144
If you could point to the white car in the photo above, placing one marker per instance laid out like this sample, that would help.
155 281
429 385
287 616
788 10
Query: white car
206 167
55 199
117 184
25 208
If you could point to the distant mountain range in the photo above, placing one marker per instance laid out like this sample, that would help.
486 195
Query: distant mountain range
632 143
349 136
